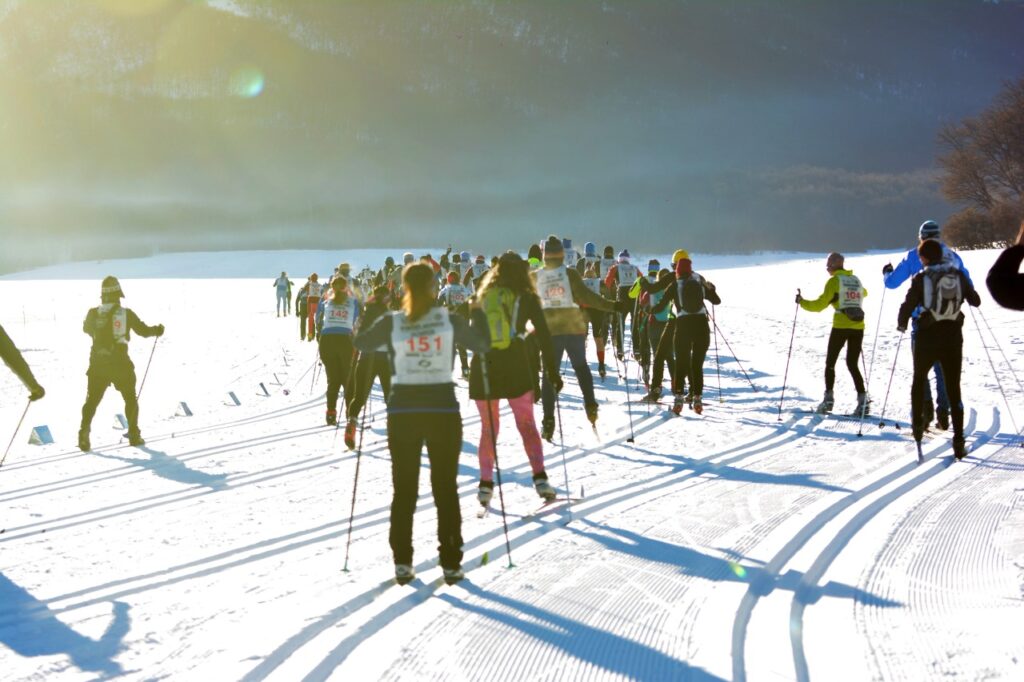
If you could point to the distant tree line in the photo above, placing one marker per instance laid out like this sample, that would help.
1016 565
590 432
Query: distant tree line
983 172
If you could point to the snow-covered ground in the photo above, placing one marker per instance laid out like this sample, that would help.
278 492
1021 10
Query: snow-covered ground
736 545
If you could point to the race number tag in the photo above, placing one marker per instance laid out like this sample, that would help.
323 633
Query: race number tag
340 316
554 288
627 274
456 295
423 349
120 325
850 292
605 266
594 284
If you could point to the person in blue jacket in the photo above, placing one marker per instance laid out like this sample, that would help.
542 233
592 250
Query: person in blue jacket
894 278
335 321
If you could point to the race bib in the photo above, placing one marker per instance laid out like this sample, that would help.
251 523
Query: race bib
627 274
850 292
423 349
606 265
340 317
554 288
119 320
457 295
593 283
315 289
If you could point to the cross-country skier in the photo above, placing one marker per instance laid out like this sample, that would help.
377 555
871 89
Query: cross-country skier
336 319
561 292
665 350
283 286
509 300
422 410
110 327
598 318
894 278
301 309
845 293
12 358
455 297
620 279
1004 280
314 290
939 291
656 323
369 365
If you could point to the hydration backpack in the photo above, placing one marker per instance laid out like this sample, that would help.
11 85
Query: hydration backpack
691 295
501 306
943 294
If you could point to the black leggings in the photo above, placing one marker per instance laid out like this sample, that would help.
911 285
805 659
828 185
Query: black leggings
442 434
123 379
665 353
368 366
692 339
945 347
852 338
337 355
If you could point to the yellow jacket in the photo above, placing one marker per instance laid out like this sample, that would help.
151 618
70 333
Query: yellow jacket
830 297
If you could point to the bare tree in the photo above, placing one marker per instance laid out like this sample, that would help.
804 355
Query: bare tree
983 170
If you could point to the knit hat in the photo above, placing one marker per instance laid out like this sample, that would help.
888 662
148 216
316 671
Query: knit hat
653 265
111 287
929 230
624 256
534 252
680 253
553 248
466 257
609 252
590 250
480 258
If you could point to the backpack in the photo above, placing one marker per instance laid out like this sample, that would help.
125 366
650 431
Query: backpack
943 294
501 306
691 294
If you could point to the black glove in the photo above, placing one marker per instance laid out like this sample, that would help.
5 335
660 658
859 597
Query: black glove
901 329
37 393
799 298
556 383
887 269
159 330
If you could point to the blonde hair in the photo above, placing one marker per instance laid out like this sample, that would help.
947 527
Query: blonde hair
417 290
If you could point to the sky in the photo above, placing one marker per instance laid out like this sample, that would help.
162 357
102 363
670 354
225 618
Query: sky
130 127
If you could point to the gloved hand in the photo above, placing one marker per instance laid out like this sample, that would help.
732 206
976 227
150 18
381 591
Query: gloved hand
887 269
901 329
159 330
37 393
798 298
556 383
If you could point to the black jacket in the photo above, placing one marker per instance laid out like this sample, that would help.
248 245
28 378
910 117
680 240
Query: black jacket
100 325
915 297
1005 282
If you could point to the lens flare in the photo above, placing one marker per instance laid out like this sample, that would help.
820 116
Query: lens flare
738 570
247 82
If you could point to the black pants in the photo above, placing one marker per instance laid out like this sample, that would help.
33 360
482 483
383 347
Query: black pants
945 347
692 339
123 379
852 339
442 434
463 357
665 353
337 354
368 367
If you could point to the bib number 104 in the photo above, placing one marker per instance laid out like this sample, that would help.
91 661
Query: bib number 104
424 344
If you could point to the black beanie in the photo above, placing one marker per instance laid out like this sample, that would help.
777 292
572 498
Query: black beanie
553 248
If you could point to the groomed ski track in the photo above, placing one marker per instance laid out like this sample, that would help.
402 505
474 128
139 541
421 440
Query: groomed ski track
727 546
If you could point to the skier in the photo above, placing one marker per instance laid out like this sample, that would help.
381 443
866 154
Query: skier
535 257
423 409
454 297
335 321
665 351
845 293
110 327
620 279
598 318
368 365
1004 280
561 292
284 294
314 290
641 328
301 310
13 359
589 258
607 261
656 324
572 256
894 278
692 333
509 300
938 291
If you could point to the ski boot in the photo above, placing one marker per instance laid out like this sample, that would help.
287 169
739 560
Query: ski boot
135 438
959 448
601 370
465 373
942 420
543 488
350 434
677 405
404 574
696 405
83 441
591 410
827 403
863 405
484 493
332 417
453 575
653 395
547 428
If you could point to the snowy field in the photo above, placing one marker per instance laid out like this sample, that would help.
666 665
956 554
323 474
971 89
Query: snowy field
732 546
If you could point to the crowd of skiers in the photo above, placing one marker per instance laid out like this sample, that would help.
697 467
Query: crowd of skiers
404 325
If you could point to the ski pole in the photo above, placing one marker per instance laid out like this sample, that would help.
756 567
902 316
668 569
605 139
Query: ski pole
316 371
885 403
718 363
629 401
734 357
494 447
1000 347
565 466
146 373
355 483
639 377
874 344
15 434
996 375
789 354
299 380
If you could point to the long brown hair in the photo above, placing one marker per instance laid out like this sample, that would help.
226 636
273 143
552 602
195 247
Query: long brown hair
340 288
417 290
511 272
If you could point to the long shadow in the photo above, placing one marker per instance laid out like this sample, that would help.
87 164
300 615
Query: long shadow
36 631
731 473
699 565
606 650
165 466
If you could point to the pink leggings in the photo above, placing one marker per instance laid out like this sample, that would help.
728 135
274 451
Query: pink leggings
522 410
